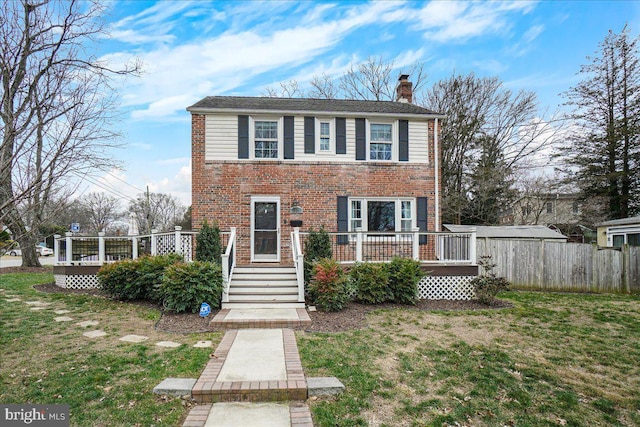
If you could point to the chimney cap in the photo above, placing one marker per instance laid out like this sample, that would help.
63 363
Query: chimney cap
403 77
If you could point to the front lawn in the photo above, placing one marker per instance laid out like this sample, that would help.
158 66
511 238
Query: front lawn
105 381
551 360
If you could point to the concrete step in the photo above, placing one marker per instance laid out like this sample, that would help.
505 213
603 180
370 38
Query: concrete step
264 284
263 297
262 277
263 290
261 304
262 270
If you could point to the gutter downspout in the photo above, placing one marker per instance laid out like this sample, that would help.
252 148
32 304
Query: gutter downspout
436 156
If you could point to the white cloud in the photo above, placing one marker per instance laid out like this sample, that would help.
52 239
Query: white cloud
178 186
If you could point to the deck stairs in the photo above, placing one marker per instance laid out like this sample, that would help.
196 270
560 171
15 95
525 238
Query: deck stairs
263 287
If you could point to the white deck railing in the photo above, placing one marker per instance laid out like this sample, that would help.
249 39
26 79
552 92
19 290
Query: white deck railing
97 250
426 247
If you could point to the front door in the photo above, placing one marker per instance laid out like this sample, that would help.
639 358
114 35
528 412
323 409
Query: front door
265 229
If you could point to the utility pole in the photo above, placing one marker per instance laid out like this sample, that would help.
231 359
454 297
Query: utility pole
148 212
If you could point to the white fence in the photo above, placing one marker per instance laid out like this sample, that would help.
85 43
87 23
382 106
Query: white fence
575 267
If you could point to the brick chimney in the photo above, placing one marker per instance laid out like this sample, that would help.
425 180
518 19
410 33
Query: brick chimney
404 90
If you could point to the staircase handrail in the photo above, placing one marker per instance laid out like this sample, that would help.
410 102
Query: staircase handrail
298 261
228 264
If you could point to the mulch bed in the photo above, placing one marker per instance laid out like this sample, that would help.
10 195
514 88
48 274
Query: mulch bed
354 316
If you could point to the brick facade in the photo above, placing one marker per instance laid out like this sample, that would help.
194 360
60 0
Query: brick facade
222 190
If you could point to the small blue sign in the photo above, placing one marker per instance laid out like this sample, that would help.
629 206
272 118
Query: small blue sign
75 227
205 309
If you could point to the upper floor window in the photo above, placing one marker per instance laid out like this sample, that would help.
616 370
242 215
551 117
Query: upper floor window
266 139
549 207
381 141
325 136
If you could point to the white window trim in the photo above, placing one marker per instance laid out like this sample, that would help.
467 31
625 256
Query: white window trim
252 136
394 139
332 135
398 212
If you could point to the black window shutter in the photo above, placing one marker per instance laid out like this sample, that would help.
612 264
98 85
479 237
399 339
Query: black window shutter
309 135
343 219
289 142
341 135
421 210
243 137
403 140
361 140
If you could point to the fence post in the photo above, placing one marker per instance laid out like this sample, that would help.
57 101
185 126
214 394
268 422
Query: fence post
101 247
69 254
56 247
416 243
154 242
134 247
178 240
473 249
626 261
359 244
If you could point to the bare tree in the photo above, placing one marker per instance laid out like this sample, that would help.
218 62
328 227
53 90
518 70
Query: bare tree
488 133
102 210
289 89
157 211
323 87
56 108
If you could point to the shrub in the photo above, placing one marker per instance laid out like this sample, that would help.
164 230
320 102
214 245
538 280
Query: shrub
328 285
487 285
208 244
138 279
186 286
372 283
317 247
404 275
120 279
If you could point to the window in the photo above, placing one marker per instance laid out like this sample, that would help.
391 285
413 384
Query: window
618 240
381 141
356 214
325 136
549 207
575 208
381 215
633 239
266 139
526 210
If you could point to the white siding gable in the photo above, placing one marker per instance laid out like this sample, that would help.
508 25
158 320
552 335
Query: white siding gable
221 137
418 142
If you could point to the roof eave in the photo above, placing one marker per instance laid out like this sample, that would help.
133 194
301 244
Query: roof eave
204 110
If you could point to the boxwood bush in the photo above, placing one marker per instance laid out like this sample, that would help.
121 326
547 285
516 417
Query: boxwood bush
372 282
404 275
138 279
186 286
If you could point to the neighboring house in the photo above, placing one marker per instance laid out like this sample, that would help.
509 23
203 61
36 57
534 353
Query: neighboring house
543 209
618 232
267 165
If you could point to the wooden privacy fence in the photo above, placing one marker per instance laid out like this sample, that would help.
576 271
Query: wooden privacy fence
573 267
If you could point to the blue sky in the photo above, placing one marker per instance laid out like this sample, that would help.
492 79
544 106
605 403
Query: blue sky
192 49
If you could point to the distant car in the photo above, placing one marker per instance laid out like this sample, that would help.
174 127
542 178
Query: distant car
42 251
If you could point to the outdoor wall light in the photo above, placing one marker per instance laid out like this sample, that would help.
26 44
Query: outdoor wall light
295 208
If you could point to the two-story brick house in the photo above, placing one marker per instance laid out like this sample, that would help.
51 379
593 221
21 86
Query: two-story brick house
264 164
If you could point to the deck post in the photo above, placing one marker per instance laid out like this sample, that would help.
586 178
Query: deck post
154 242
101 247
134 247
178 240
69 254
472 247
359 244
416 243
56 247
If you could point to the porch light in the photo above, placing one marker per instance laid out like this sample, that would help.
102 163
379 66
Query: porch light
295 209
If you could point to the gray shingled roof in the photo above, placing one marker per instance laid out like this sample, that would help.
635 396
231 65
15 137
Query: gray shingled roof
622 221
245 103
508 231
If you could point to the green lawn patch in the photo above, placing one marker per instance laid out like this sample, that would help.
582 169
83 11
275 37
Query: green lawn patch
551 360
105 381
